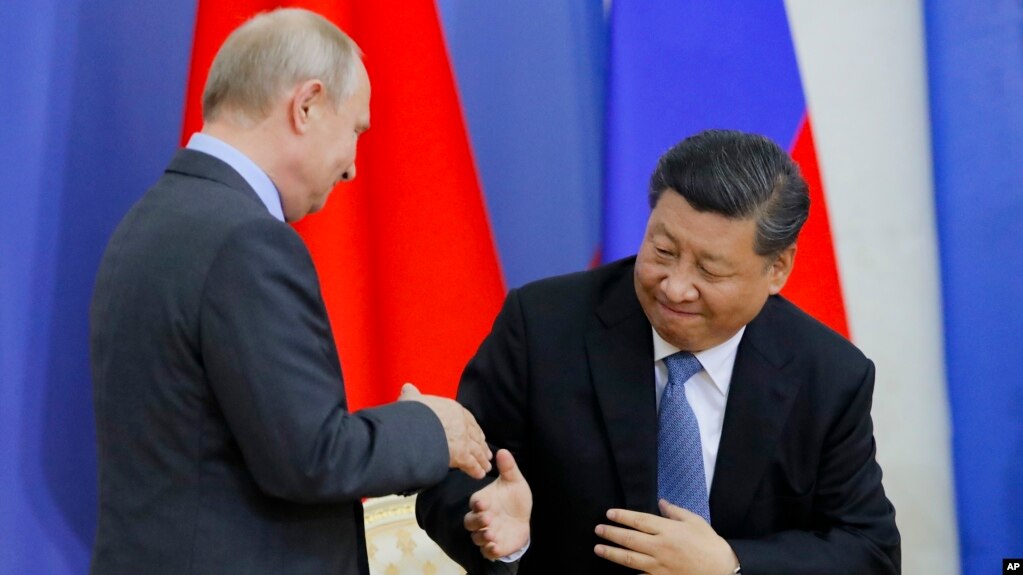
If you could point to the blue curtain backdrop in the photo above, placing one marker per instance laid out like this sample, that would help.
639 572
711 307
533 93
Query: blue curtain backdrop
531 78
91 112
714 81
975 58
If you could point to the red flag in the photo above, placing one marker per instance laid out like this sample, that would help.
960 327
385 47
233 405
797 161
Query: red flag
405 256
814 284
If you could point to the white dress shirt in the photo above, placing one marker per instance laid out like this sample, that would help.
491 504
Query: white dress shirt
706 392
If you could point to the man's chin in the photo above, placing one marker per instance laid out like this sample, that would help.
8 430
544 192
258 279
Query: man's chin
682 338
317 206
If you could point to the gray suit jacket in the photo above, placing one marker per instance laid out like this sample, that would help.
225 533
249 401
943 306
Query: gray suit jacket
225 443
565 380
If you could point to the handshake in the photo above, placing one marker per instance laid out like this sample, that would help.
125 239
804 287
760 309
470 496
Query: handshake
467 446
498 518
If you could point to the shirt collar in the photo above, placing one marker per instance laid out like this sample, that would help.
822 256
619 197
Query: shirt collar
717 361
253 174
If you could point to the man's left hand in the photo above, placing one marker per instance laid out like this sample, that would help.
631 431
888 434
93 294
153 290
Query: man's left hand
679 542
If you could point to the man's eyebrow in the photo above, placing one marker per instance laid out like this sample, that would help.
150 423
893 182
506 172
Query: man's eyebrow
713 257
660 228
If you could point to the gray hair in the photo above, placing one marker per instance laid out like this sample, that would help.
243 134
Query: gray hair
738 175
271 53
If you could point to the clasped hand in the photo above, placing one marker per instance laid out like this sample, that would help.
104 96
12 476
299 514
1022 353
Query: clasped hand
467 446
679 542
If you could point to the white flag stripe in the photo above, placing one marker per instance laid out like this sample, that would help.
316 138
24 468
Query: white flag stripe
863 68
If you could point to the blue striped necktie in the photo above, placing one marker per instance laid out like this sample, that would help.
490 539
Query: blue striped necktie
680 476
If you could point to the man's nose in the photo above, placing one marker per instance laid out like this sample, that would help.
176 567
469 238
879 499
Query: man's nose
678 287
349 174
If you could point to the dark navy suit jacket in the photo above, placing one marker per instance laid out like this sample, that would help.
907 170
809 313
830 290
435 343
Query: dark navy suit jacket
565 380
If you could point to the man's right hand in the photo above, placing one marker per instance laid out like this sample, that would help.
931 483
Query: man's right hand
498 517
467 446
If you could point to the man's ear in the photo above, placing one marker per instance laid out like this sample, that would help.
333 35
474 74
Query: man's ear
303 104
781 268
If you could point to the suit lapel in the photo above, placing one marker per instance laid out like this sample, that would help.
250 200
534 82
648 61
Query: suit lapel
620 353
759 401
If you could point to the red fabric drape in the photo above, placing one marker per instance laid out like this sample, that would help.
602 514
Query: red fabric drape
814 284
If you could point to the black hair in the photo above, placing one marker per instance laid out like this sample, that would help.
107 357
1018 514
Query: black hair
738 175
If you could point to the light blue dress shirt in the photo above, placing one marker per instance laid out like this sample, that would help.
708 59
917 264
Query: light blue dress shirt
253 174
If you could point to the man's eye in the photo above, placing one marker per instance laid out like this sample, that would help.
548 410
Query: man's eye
663 252
709 274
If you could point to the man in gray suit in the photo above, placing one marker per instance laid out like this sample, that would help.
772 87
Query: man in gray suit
225 443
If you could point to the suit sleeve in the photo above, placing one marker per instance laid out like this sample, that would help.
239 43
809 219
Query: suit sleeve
267 348
854 523
493 388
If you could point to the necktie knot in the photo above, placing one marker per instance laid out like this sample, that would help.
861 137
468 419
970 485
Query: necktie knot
681 366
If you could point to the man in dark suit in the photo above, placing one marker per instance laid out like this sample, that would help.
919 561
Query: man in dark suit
225 444
671 413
